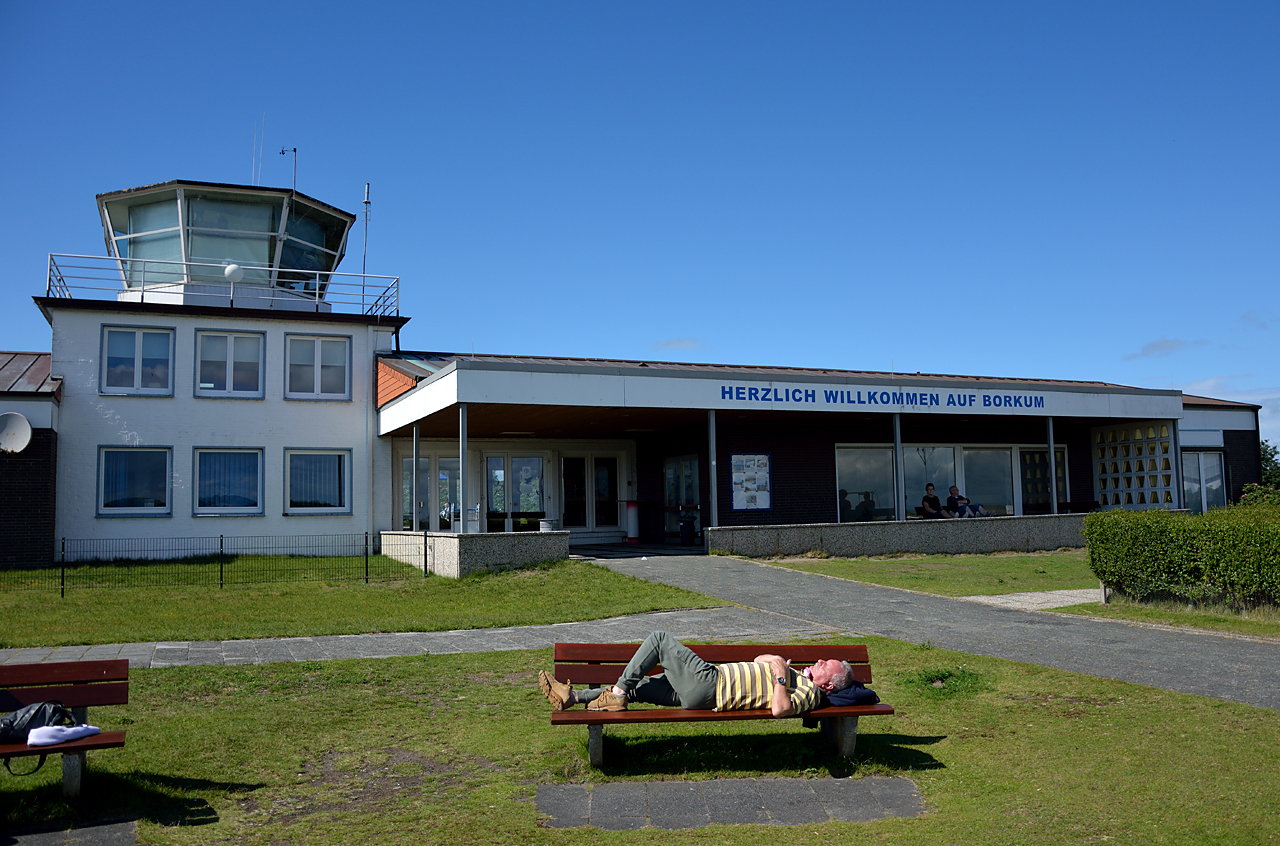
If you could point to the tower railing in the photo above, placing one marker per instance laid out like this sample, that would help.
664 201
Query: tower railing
210 284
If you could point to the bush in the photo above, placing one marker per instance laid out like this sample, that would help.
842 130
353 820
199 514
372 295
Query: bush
1229 555
1259 495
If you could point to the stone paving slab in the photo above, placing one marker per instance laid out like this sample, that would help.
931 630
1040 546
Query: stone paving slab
103 834
619 806
1038 600
722 623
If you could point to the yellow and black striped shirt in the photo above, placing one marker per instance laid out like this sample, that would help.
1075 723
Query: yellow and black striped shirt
749 684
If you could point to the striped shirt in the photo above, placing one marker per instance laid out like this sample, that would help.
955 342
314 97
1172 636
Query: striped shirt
749 684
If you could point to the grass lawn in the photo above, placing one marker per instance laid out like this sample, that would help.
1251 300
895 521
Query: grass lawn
961 575
1261 622
572 590
450 749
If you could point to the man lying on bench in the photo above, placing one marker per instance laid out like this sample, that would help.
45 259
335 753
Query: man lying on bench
687 681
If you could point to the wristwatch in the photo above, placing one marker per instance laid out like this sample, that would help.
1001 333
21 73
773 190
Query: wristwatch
782 680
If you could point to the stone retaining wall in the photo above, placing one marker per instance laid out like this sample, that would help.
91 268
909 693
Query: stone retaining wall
929 537
456 556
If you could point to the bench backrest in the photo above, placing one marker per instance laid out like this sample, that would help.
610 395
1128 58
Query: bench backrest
597 664
76 684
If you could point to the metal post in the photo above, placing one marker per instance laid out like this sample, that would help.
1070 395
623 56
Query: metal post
899 507
414 478
221 558
1053 471
462 468
64 568
366 557
715 486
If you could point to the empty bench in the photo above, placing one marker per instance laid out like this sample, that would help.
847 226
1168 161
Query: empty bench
77 685
600 664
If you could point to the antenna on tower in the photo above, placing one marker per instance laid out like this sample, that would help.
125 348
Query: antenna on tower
257 178
364 259
284 151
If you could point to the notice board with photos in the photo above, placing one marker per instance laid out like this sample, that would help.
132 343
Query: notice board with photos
752 482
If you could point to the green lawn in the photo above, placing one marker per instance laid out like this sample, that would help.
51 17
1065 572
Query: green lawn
450 749
573 590
961 575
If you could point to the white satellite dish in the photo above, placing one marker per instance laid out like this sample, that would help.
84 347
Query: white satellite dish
15 432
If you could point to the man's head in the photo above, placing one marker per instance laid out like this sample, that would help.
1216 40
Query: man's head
830 674
928 489
955 491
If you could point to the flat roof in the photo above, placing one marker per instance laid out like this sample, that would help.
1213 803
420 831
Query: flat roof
27 373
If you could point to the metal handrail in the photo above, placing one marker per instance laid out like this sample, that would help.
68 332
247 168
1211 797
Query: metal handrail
363 293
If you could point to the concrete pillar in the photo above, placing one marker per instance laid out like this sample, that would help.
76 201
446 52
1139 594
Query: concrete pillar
843 732
595 745
462 467
414 478
715 487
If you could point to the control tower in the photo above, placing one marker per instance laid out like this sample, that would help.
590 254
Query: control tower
204 243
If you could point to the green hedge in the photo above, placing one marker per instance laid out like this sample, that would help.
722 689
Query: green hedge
1229 555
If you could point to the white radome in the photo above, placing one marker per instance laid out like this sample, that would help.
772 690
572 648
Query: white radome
233 273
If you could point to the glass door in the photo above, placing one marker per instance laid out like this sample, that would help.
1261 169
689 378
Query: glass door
573 495
606 474
424 493
680 493
514 498
1202 481
448 504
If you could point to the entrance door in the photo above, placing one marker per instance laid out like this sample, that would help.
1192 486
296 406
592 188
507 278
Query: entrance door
589 492
514 497
680 493
424 493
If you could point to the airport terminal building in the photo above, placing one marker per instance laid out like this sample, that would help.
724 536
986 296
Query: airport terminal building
215 374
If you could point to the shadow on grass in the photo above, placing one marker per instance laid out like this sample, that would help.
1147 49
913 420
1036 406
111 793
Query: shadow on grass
764 752
113 797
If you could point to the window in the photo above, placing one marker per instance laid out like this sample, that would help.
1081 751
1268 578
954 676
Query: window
864 480
137 361
228 481
317 368
1202 481
230 365
134 481
317 481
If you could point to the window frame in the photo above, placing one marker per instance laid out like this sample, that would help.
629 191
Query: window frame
317 395
229 392
136 390
347 482
211 511
100 495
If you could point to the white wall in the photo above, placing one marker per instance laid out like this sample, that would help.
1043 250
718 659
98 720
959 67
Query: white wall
183 421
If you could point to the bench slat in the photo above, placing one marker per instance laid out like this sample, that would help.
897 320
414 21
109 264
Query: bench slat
681 715
103 740
598 675
716 653
72 696
69 672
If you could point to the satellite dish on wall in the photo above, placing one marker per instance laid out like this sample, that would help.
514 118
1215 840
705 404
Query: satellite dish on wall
15 432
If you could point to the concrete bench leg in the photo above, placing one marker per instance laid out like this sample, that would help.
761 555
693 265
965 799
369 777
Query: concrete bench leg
595 745
73 764
843 732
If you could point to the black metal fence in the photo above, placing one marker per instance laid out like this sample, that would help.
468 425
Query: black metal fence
81 563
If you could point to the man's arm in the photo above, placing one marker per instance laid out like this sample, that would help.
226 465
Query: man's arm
779 668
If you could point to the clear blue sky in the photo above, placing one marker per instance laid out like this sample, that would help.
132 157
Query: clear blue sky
1051 190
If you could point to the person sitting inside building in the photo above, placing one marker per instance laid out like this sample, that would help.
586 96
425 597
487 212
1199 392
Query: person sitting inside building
962 507
865 511
687 681
932 505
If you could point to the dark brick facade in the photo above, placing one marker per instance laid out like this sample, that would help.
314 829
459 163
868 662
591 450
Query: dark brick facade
802 449
27 501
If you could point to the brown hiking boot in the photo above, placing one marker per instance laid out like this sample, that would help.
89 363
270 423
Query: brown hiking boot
560 695
608 701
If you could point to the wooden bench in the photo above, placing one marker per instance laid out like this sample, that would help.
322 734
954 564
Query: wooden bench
600 664
77 685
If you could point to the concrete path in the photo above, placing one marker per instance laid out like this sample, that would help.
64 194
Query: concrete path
1206 664
1038 600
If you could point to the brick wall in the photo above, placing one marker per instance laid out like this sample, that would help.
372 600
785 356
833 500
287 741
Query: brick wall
27 501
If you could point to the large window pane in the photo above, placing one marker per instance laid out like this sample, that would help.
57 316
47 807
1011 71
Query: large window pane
606 491
120 357
247 366
333 367
213 362
988 479
155 360
135 479
864 478
228 480
447 493
1215 494
302 366
574 498
239 215
922 465
528 485
317 480
1036 482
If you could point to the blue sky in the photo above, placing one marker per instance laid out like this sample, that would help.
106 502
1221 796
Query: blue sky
1048 190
